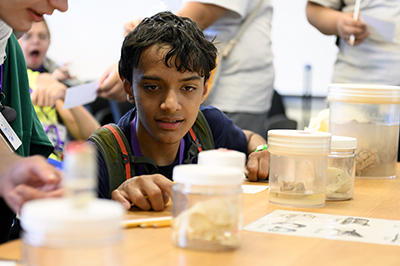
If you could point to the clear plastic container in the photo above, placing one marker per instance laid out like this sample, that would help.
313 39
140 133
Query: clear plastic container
207 210
298 167
369 113
55 232
341 168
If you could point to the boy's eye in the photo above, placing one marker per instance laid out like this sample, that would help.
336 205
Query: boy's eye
189 88
151 87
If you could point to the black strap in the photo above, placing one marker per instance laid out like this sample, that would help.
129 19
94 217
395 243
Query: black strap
148 164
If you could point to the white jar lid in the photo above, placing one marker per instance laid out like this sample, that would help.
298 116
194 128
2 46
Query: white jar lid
195 174
343 143
222 157
364 93
299 142
57 218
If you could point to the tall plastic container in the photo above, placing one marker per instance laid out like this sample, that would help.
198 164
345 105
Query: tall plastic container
298 167
55 232
207 210
369 113
77 229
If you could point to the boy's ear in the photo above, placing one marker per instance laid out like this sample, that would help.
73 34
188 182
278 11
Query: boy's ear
205 91
128 90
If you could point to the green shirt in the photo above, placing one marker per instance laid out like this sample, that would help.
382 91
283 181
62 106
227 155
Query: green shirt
16 89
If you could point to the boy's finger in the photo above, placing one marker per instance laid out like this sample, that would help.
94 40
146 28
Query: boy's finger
117 196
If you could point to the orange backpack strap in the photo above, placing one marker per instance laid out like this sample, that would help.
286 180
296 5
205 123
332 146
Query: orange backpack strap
123 150
196 140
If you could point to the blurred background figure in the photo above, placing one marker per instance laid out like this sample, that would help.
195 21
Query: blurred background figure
48 83
375 56
35 44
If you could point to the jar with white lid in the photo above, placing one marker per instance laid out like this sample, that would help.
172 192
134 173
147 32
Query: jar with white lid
55 232
298 167
207 207
341 168
222 157
371 114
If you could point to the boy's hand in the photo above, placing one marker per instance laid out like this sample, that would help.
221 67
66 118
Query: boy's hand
145 191
258 165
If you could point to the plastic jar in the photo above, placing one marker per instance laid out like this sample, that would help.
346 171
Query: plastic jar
55 232
341 168
207 209
298 167
369 113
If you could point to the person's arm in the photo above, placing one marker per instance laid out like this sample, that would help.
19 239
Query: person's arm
50 92
203 14
79 121
334 22
23 179
258 161
111 87
145 191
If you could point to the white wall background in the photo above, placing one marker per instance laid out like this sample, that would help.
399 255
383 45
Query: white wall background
89 36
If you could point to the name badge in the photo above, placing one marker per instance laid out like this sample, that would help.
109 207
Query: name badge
8 134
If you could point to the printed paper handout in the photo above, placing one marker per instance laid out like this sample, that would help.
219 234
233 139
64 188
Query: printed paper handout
337 227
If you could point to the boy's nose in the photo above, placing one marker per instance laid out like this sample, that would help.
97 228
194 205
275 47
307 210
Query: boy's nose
171 102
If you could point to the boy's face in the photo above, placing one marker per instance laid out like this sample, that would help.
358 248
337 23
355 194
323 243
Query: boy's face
167 100
20 14
35 44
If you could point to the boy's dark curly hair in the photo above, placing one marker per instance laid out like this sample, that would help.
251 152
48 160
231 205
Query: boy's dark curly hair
181 36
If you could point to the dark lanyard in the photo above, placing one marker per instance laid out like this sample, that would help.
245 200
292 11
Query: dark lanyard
136 148
9 113
1 80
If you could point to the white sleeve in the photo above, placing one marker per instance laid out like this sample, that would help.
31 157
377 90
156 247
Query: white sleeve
335 4
236 6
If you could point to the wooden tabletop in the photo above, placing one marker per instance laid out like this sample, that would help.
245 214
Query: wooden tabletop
372 198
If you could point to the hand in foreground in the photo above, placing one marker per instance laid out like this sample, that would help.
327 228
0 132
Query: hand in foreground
27 179
48 90
258 165
145 191
346 26
111 87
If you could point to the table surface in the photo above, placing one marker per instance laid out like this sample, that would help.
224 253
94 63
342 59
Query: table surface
372 198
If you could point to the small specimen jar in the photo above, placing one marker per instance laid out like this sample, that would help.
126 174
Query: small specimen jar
298 167
341 168
207 207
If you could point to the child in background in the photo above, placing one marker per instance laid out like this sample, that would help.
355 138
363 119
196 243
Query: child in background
48 83
35 44
165 66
